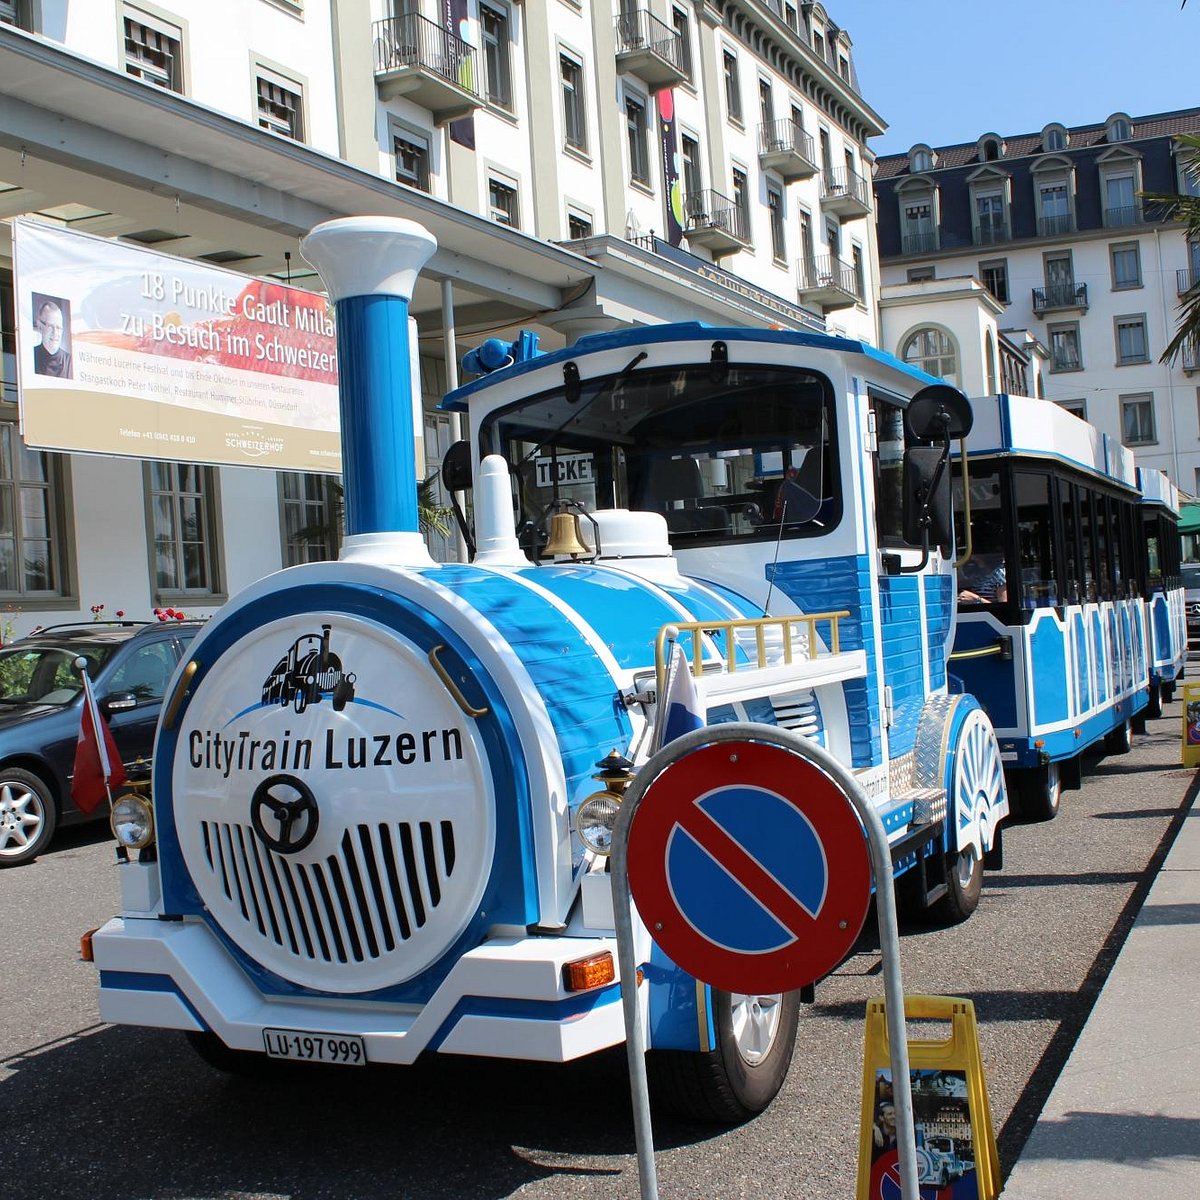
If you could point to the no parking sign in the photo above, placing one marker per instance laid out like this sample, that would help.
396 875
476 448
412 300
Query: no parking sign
749 867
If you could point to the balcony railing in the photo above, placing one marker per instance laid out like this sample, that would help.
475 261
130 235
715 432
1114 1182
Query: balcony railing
828 281
924 241
1060 296
1126 214
845 192
418 59
787 149
1186 279
1190 356
991 234
1055 226
715 222
649 49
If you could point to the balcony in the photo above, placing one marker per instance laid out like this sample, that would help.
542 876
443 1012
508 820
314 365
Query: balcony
715 222
924 241
845 193
650 50
783 147
1056 226
1186 279
991 233
420 61
1190 357
1128 214
1062 297
827 281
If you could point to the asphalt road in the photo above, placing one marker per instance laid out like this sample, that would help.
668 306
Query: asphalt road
102 1113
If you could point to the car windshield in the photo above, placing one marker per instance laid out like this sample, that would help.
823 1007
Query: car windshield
1191 578
44 674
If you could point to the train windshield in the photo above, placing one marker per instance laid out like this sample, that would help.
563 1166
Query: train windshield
738 452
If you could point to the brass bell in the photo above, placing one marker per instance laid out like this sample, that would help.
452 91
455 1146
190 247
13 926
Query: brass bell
564 537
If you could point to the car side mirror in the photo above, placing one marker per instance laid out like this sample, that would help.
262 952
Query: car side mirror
118 702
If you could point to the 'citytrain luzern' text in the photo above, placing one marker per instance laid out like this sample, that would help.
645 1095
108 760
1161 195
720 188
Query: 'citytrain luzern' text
241 752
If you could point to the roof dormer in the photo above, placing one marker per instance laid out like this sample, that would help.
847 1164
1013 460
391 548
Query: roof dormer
990 147
1118 128
921 158
1055 138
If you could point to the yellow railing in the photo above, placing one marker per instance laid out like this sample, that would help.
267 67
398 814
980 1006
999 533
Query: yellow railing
729 630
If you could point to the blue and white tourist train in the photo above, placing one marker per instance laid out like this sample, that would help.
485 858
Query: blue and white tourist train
1162 582
417 862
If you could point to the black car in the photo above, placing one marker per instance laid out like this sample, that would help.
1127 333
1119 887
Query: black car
41 704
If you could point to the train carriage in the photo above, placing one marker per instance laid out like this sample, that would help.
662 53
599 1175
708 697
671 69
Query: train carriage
1058 652
424 868
1161 580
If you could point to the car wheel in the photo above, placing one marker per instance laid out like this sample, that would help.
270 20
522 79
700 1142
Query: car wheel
28 816
755 1039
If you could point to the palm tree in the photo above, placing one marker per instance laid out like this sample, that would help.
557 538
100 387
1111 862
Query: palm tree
1184 208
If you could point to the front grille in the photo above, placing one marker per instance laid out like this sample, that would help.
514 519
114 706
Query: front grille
358 904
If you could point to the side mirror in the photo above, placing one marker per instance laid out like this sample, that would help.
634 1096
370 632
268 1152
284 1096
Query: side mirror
928 512
118 702
938 413
456 468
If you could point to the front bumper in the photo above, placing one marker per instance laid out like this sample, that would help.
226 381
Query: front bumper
504 999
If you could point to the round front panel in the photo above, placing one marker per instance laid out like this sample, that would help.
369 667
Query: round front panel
333 803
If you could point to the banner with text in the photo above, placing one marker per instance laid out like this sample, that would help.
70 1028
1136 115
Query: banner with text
124 351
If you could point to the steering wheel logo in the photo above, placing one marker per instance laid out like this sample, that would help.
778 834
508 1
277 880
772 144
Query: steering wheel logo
284 814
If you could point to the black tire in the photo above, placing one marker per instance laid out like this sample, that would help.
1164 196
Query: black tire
1168 693
1119 740
244 1064
28 816
1039 792
726 1086
1155 703
964 886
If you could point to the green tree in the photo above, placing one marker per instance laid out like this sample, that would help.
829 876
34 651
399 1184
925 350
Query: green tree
1179 207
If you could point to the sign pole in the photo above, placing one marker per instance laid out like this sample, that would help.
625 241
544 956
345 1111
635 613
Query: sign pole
635 1040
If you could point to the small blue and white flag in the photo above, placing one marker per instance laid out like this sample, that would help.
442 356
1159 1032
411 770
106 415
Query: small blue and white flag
681 707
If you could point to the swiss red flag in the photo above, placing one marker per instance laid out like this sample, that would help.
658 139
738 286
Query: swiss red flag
87 783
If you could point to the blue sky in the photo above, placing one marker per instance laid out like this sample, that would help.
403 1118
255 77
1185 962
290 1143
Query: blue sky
946 71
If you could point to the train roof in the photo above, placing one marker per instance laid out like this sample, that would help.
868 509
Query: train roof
1156 488
681 332
1023 426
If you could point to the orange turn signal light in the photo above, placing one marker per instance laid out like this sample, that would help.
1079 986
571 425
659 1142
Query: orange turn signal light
85 946
592 972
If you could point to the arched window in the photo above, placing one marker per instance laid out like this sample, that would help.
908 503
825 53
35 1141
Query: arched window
933 351
1054 137
1118 128
920 158
989 354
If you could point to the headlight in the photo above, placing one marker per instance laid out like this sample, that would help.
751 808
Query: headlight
595 820
132 821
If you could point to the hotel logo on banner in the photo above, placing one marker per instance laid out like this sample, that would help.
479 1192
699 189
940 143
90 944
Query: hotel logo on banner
124 351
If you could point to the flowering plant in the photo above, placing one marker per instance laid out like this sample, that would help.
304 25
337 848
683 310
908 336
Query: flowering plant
170 614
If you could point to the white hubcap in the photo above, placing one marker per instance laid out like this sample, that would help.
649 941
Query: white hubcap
21 817
755 1024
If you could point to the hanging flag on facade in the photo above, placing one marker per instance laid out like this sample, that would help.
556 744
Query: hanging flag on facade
681 707
98 765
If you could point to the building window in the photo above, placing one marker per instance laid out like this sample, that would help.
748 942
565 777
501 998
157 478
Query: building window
578 225
574 112
919 274
1064 347
1054 138
920 158
183 525
775 209
412 159
1126 261
1120 200
807 252
1119 128
741 202
635 131
833 238
312 517
844 67
860 276
826 152
993 274
933 351
493 26
1137 419
8 339
1054 209
683 33
1060 280
733 91
918 234
1131 340
819 45
152 51
31 542
12 13
279 107
991 219
502 203
1077 408
693 181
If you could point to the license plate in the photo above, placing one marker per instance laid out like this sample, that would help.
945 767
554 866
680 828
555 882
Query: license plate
302 1045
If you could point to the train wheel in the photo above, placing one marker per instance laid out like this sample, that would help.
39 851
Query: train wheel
755 1039
964 885
1155 703
1040 789
1120 740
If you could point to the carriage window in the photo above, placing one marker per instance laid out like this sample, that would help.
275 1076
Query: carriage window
1083 503
1069 524
983 578
1154 565
1035 541
1103 528
729 453
889 472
